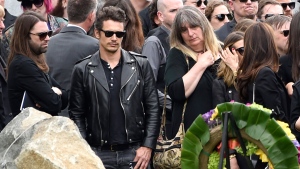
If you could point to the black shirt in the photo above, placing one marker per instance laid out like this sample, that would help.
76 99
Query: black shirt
117 133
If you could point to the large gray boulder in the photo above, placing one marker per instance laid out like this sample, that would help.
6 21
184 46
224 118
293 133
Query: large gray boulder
36 140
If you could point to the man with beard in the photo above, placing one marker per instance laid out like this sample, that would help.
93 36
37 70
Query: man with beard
60 8
241 9
113 98
28 77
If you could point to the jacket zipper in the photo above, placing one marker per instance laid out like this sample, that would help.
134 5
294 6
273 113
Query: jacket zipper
135 87
98 108
122 104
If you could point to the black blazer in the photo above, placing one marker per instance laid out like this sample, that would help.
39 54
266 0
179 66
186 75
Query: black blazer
225 30
70 45
270 92
222 93
285 69
295 109
24 75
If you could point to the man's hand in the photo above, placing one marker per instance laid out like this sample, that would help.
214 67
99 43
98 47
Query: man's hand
142 157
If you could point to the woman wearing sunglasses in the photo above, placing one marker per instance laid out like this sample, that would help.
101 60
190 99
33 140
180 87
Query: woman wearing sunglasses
191 65
218 13
289 70
224 87
257 80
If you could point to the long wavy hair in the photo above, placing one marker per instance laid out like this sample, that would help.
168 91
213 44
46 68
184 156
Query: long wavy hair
192 16
224 71
294 46
259 53
134 38
20 39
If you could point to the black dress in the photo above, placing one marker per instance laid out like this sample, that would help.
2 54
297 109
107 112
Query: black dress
200 101
24 75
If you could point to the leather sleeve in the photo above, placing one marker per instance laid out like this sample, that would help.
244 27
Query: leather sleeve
151 107
77 104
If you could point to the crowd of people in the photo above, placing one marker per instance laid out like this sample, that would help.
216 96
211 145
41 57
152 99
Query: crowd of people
113 66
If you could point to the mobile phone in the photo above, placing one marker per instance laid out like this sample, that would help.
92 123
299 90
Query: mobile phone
132 164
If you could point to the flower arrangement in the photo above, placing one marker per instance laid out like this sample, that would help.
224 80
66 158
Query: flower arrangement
263 136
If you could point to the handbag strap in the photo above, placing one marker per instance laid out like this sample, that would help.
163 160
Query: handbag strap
227 116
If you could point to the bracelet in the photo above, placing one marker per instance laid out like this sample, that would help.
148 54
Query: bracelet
232 156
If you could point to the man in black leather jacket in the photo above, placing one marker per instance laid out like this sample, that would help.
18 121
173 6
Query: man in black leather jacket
113 97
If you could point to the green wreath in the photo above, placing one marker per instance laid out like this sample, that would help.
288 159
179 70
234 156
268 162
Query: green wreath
255 126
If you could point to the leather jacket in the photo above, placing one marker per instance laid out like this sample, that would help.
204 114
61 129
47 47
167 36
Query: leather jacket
89 100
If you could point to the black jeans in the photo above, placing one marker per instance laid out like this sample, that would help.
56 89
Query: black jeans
117 159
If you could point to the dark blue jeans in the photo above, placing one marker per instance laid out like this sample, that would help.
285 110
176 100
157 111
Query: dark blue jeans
116 159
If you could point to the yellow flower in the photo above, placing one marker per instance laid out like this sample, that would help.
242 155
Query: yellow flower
287 130
215 114
263 157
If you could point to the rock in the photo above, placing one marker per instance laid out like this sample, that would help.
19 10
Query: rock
51 143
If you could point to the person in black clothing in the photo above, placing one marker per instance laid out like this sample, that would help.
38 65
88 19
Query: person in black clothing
289 64
9 19
149 17
28 70
113 98
257 80
191 66
224 87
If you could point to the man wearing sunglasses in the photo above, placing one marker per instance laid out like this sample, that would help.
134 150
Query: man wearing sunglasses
42 7
281 27
72 43
200 4
113 98
241 9
287 6
268 8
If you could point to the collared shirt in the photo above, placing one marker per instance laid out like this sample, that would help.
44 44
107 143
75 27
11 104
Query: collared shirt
116 113
69 25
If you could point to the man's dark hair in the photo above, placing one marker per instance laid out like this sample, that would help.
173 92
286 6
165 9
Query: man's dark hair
20 39
109 13
78 10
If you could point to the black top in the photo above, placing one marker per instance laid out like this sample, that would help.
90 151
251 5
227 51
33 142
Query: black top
147 23
225 30
295 109
117 133
285 69
24 75
270 92
223 93
200 101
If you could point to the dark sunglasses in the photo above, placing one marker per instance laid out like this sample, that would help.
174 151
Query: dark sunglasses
240 50
119 34
221 17
291 5
42 35
28 4
270 15
199 2
285 33
244 1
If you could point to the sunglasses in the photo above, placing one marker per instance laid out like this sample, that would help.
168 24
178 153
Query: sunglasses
199 3
221 17
244 1
28 4
270 15
119 34
285 33
240 50
42 35
291 5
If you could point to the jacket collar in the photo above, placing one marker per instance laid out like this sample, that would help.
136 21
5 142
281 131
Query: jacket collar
72 29
97 71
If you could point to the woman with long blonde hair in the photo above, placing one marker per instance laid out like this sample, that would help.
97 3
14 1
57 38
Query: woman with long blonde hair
191 65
